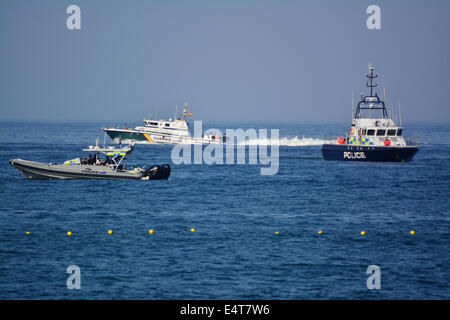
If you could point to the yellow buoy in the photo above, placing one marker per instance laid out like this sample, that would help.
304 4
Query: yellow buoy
110 231
192 229
319 232
363 232
28 232
276 232
412 232
69 233
151 231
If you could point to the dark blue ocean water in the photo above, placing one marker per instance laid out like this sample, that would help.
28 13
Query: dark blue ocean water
235 252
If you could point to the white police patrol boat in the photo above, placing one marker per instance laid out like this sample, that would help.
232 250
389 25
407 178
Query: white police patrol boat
374 136
92 167
162 132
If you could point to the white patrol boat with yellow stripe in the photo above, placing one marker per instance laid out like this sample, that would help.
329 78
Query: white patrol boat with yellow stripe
161 132
92 167
373 135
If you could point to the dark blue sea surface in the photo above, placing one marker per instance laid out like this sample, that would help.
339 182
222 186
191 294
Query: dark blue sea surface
256 236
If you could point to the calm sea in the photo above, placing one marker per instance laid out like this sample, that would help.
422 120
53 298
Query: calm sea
256 236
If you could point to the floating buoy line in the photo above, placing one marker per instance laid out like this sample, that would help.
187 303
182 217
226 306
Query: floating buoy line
193 230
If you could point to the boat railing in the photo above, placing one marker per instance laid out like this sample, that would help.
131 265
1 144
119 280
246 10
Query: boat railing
334 139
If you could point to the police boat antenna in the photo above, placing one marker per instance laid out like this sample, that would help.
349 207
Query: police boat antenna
370 83
353 102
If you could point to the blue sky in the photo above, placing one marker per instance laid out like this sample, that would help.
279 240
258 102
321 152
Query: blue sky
231 60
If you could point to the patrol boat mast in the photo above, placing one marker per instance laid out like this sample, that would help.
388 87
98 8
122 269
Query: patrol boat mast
371 102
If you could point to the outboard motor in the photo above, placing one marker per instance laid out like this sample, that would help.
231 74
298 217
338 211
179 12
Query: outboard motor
165 171
158 172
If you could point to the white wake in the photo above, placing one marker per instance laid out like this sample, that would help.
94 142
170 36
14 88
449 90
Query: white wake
289 142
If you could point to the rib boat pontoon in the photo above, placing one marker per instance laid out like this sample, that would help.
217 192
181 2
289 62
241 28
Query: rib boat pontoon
92 167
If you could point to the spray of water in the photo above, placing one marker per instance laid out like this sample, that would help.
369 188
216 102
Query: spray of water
289 142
